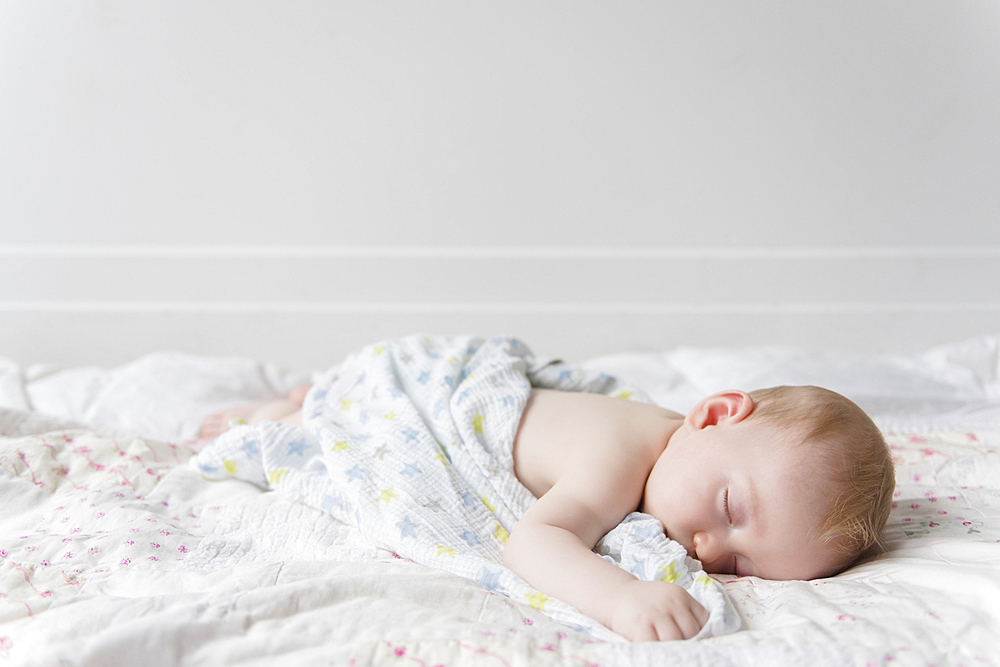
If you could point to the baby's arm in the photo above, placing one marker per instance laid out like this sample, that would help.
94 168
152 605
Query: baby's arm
551 548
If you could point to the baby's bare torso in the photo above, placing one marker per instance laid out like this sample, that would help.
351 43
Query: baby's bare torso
564 431
587 458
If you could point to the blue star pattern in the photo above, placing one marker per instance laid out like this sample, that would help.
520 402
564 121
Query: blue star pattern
638 567
355 473
490 578
647 531
330 503
250 447
406 527
411 470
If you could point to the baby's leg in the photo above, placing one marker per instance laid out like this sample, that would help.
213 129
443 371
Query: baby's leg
287 410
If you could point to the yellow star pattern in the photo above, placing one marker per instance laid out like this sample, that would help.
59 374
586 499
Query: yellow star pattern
345 404
537 600
377 350
391 415
501 534
488 506
669 574
624 394
274 476
477 422
230 466
707 580
340 446
443 550
388 494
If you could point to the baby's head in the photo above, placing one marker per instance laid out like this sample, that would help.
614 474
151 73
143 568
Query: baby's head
854 460
781 483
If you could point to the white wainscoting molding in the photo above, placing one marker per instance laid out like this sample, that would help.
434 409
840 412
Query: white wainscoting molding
307 307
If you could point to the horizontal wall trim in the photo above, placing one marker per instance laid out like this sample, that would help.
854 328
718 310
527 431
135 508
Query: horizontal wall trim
314 340
480 252
475 308
546 282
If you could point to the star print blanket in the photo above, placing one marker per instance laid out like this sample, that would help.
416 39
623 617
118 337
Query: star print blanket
411 441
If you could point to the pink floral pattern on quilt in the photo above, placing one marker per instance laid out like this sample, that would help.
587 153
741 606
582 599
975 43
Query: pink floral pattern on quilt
96 519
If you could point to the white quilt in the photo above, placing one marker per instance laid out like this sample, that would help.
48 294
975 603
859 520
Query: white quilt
114 551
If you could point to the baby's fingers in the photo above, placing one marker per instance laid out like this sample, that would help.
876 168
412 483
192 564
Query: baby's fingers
647 632
688 624
668 629
699 612
657 611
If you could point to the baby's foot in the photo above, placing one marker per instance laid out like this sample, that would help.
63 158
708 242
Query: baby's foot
218 423
298 395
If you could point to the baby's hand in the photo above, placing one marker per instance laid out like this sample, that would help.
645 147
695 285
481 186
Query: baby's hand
656 610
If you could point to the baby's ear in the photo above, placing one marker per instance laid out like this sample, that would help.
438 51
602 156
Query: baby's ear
726 407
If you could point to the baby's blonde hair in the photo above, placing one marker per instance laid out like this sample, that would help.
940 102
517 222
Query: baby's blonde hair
860 467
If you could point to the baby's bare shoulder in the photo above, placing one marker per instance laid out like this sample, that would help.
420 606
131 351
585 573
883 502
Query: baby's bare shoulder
588 435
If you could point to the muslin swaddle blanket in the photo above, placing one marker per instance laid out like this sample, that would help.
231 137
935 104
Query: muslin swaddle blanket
411 442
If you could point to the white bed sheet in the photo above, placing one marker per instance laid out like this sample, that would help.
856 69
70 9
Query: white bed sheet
167 568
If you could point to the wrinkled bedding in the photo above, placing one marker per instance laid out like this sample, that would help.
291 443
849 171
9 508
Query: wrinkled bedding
113 549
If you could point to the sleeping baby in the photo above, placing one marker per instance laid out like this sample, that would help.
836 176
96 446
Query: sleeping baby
781 483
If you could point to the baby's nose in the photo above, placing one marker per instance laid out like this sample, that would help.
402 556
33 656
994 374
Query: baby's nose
705 547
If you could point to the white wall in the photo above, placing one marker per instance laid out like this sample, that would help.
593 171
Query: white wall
291 180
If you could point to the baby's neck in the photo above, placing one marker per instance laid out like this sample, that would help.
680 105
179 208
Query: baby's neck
673 423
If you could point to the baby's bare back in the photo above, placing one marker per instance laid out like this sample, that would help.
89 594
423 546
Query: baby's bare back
565 431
